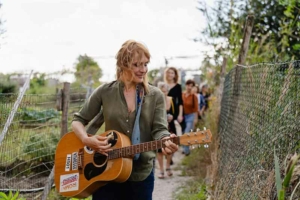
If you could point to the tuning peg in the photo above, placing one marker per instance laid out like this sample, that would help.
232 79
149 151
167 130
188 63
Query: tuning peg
191 130
198 129
204 128
193 146
206 146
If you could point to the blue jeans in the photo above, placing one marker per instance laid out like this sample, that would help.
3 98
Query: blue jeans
189 125
129 190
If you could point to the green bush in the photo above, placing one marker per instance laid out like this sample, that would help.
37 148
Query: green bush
8 87
42 146
32 116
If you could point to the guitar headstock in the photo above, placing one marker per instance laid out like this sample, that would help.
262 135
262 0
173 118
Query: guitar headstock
196 138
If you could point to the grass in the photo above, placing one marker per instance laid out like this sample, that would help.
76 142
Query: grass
193 190
202 163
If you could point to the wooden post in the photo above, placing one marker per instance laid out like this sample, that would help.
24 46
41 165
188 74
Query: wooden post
223 67
65 108
58 99
62 103
48 185
243 53
246 39
222 75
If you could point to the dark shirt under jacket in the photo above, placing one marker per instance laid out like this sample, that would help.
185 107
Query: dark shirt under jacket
176 93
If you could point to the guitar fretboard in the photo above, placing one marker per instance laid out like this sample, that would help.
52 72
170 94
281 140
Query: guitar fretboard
139 148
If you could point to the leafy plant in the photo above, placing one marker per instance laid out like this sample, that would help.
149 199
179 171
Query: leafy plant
41 116
42 146
282 186
10 196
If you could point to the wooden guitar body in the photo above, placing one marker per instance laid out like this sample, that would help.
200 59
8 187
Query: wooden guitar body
79 170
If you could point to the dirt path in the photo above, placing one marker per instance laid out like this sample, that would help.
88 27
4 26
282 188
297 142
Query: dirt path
164 189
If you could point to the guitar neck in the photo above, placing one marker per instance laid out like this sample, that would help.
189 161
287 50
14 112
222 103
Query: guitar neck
129 151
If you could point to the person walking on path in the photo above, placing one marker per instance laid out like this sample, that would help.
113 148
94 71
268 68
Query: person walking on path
170 110
201 102
171 77
190 107
206 95
135 108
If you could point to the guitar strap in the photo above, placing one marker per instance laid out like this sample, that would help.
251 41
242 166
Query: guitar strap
135 137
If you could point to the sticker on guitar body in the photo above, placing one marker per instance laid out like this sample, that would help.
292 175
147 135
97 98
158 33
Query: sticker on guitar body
69 182
75 161
68 162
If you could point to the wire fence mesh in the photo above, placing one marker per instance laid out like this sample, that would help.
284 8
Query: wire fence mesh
27 151
260 113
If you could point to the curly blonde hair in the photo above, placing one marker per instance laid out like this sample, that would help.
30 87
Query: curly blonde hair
125 57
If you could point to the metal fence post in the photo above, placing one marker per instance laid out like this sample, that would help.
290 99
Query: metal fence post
15 108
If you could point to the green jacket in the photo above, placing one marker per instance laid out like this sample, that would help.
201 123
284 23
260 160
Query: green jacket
153 121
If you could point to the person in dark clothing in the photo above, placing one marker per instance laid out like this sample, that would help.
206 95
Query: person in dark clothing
205 95
170 110
201 102
171 77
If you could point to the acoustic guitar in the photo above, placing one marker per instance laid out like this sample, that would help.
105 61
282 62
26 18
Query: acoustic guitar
79 170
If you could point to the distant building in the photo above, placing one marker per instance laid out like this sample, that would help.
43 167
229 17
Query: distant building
19 80
51 82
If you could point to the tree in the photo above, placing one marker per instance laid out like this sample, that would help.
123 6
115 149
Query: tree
275 35
87 71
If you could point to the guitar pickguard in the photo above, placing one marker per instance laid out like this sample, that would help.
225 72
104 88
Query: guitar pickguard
91 170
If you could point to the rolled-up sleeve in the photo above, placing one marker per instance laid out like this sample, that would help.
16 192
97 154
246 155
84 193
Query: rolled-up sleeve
90 108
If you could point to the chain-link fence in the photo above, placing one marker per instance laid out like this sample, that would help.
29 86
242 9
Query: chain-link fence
28 148
260 114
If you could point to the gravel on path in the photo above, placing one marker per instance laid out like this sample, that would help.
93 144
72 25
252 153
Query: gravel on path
164 189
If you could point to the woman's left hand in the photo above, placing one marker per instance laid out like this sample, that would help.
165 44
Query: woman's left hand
170 147
169 117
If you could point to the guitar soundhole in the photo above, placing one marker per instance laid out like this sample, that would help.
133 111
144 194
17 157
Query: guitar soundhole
99 159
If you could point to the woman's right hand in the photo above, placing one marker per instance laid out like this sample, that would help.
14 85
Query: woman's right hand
98 143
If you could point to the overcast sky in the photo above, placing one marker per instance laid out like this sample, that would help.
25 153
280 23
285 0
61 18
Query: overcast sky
48 35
